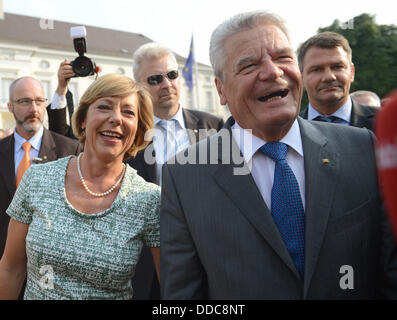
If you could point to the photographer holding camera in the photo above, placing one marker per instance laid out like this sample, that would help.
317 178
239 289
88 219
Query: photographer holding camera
62 97
82 66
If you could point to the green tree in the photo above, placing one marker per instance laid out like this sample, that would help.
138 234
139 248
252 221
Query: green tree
374 52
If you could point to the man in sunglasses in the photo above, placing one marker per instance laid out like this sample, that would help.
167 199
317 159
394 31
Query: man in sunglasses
29 144
156 68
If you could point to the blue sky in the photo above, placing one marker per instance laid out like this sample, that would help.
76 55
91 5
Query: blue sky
172 22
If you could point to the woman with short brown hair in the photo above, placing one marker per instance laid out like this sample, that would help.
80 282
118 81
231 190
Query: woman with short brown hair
84 220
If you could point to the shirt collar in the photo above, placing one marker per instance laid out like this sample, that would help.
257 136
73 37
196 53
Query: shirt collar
243 137
178 117
344 112
35 141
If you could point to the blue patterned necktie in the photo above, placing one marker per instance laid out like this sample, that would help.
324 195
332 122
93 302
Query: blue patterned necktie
325 118
286 207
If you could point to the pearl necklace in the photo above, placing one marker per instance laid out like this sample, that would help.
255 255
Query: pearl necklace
94 193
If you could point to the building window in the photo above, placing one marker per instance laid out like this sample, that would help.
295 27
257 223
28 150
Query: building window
209 100
47 89
120 71
190 101
5 90
72 86
44 64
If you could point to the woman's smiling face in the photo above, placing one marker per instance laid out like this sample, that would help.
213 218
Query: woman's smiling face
110 125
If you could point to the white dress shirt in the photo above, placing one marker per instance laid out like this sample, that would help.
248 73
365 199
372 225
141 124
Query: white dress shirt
58 102
343 113
35 142
170 137
262 167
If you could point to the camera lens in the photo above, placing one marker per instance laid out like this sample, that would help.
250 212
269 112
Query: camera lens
82 66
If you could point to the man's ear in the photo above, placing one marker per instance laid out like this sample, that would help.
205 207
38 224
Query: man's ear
220 89
10 107
353 72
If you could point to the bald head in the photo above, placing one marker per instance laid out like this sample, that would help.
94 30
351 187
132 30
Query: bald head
24 81
27 104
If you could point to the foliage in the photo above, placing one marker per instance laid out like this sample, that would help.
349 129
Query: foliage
374 52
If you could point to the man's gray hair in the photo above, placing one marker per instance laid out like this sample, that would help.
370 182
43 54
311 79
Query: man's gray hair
149 51
240 22
365 93
323 40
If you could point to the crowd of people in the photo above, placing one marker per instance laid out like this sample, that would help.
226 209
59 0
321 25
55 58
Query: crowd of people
105 208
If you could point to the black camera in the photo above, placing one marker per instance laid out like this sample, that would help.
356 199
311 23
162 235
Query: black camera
82 65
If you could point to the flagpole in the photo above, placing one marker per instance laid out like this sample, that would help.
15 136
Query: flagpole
196 83
189 72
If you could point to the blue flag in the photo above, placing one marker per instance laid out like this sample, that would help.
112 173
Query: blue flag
187 71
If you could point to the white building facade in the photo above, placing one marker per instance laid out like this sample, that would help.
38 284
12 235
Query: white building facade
40 54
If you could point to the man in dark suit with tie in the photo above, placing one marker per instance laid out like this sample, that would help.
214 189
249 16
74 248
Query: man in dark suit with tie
27 104
155 67
273 206
325 61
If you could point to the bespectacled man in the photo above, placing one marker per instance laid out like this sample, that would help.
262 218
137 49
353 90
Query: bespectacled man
30 143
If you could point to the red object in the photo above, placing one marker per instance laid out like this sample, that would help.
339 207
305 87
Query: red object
386 152
97 69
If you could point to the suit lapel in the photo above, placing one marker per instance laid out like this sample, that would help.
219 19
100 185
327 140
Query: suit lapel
243 192
321 168
150 169
47 150
359 118
191 123
7 165
305 113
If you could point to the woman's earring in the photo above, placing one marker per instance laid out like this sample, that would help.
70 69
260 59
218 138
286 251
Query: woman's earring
83 131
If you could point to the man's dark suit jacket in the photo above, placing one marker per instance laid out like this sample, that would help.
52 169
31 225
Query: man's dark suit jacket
57 122
53 147
219 240
361 116
145 271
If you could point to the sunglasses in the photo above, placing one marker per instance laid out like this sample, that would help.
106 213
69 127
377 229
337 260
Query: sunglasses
158 78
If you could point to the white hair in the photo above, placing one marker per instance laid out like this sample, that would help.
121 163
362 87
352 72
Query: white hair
149 51
238 23
365 93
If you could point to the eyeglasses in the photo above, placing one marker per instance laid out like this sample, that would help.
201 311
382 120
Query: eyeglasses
158 78
28 102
